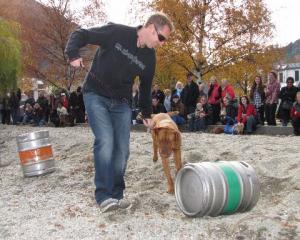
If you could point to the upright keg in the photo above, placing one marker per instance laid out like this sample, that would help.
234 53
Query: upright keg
35 152
216 188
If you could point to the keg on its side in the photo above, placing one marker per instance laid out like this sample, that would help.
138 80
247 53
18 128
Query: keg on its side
216 188
35 153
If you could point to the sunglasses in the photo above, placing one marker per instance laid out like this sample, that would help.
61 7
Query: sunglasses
161 37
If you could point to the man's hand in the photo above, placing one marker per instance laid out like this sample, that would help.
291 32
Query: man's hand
148 122
77 63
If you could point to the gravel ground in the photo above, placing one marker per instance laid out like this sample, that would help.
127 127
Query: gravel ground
61 205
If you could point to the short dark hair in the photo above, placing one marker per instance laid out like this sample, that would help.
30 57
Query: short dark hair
290 79
189 74
160 20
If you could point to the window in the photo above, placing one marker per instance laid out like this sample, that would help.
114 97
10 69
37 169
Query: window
281 77
297 76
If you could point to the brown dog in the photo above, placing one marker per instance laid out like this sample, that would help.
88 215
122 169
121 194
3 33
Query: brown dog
167 140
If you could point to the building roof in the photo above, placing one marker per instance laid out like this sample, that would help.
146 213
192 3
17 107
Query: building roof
288 66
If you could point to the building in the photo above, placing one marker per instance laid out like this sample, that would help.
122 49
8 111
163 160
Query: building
288 70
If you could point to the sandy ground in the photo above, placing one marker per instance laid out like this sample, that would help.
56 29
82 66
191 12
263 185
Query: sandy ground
61 205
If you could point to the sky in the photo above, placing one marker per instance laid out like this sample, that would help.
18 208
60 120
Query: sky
285 16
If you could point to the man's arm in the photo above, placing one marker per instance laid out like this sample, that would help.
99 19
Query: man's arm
82 37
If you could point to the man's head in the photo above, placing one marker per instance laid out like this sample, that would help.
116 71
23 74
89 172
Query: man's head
158 29
189 77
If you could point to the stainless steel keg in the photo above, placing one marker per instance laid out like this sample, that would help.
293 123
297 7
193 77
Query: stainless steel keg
35 152
215 188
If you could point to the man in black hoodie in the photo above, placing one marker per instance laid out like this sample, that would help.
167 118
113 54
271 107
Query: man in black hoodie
124 53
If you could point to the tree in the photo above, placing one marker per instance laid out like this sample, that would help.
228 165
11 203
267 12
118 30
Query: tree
10 55
213 34
46 27
243 73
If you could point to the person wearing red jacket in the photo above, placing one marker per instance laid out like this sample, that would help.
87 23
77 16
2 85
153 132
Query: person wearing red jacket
247 114
227 89
214 99
295 115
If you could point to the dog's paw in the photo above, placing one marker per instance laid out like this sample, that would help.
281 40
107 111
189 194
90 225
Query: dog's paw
170 190
155 158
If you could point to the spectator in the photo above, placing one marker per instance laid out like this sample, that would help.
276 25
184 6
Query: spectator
44 104
80 112
214 99
189 95
227 89
73 108
157 107
202 90
38 115
287 95
199 120
295 115
258 96
229 111
30 98
246 114
14 105
64 100
178 89
177 110
272 94
28 114
167 101
62 113
6 110
156 92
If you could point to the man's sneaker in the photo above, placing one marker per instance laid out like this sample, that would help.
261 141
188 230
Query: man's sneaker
109 204
124 204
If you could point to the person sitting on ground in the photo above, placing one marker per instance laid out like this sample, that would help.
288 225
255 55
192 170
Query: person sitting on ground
199 120
247 114
62 114
177 110
157 107
28 114
229 111
38 115
295 115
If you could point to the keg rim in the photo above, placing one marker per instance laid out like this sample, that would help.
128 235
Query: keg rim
25 137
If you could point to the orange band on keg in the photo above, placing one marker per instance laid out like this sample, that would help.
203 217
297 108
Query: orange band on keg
35 155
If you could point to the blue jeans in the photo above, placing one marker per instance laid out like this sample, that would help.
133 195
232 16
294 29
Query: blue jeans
110 122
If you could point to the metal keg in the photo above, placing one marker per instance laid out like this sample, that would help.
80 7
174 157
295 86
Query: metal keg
216 188
35 152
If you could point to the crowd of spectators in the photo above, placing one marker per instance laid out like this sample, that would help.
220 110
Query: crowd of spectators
195 104
60 109
199 105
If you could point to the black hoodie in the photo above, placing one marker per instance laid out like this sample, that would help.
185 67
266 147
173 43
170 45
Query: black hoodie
117 62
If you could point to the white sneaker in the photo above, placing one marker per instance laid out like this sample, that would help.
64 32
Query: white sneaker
124 204
109 204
